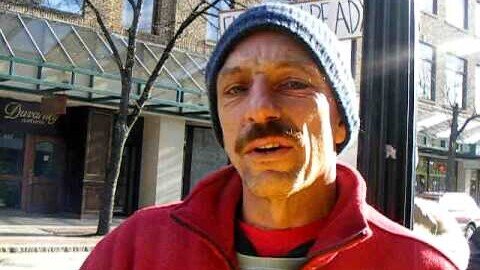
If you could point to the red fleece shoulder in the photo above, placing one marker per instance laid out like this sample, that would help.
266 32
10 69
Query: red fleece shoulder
429 256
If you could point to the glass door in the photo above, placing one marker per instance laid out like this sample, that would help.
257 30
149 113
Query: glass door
43 172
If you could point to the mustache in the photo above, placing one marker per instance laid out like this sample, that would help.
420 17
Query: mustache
277 128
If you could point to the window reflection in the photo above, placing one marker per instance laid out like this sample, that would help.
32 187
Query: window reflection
44 160
429 6
455 79
448 68
213 27
70 6
427 60
11 153
145 22
455 13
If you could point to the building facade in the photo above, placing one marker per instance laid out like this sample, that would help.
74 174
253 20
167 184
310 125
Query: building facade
449 74
51 52
59 92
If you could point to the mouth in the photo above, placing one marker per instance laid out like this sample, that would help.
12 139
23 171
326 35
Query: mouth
268 146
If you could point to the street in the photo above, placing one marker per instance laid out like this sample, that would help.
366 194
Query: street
42 260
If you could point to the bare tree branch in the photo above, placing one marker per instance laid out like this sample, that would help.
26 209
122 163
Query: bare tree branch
132 36
472 117
197 11
132 3
108 36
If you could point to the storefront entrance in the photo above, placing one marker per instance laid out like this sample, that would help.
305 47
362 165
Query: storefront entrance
43 169
31 172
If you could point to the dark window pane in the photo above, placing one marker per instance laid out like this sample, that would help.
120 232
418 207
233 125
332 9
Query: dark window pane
455 79
11 153
426 79
44 160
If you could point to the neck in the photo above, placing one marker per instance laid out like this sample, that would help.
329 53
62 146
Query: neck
295 210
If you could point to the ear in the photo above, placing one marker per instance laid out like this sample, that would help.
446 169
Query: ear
340 132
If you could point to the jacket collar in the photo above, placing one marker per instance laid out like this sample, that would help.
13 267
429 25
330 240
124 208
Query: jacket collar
210 211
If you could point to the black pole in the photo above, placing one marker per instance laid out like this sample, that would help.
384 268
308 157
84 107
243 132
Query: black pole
387 136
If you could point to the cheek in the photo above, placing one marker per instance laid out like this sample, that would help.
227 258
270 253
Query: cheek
230 129
318 119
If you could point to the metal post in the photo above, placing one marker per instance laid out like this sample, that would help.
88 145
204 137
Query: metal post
387 137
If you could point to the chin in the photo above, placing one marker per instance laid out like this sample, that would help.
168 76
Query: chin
269 184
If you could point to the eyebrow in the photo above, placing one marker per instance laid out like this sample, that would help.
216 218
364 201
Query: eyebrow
304 65
307 67
229 71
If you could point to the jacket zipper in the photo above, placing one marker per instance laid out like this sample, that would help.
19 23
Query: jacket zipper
205 237
355 238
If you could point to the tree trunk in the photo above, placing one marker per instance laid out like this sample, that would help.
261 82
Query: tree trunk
452 148
120 135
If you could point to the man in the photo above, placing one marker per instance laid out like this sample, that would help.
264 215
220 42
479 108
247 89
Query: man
282 106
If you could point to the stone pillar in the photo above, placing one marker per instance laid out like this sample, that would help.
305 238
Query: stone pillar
162 160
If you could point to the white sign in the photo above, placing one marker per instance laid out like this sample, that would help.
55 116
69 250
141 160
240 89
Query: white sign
344 17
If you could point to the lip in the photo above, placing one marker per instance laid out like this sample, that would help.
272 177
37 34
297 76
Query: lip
284 144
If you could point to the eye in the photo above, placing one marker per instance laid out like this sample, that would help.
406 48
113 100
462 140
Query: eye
293 85
235 90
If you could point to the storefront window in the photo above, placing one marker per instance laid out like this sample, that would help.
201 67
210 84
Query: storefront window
431 173
146 17
11 153
449 67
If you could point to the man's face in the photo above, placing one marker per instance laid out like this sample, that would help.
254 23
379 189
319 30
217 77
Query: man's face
278 116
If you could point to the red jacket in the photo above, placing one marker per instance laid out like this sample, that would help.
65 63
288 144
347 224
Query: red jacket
198 233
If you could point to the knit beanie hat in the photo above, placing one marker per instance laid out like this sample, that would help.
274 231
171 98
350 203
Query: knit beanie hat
309 31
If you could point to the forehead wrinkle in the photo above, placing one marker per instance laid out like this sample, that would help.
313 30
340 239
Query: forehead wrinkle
306 66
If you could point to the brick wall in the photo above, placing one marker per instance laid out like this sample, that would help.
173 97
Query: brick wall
111 10
194 38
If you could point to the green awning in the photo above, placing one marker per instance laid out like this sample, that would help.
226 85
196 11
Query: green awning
43 57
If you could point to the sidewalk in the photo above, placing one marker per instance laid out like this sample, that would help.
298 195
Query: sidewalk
21 232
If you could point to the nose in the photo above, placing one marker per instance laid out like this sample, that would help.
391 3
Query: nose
261 107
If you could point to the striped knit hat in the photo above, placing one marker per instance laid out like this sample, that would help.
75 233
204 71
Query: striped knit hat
309 31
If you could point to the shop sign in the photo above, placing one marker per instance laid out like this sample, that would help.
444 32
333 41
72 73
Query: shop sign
16 111
21 116
344 17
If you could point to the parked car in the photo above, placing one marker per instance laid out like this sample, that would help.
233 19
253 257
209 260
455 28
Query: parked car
461 206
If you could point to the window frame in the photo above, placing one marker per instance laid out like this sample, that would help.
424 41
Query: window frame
81 12
22 137
434 7
140 30
464 79
433 74
465 15
215 16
